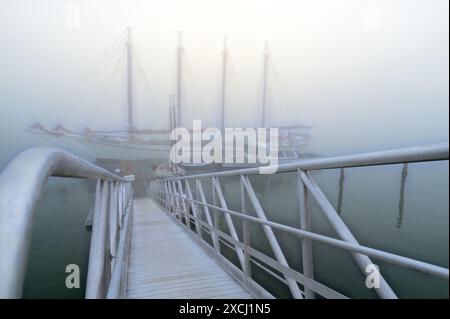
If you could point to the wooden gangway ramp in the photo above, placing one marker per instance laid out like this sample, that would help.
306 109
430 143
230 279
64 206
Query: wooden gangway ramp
165 262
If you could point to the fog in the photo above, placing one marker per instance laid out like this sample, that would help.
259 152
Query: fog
363 74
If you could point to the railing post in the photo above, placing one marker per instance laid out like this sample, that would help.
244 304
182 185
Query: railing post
158 193
119 204
176 199
384 291
122 203
293 286
113 222
97 271
305 224
161 193
194 209
165 196
187 218
214 237
216 219
227 217
245 234
117 286
172 209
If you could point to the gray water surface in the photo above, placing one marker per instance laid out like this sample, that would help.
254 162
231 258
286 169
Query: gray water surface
59 238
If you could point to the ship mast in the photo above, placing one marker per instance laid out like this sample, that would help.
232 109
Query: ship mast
129 81
172 113
264 92
224 82
179 75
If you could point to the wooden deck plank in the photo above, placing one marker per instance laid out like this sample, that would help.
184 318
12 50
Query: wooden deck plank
165 262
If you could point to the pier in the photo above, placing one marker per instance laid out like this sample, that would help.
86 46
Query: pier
165 262
178 240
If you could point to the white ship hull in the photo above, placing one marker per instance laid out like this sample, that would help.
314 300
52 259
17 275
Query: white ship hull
117 150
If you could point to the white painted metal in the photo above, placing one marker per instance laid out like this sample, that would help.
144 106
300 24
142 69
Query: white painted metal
288 272
215 238
305 223
218 190
384 291
406 262
21 184
106 269
121 204
193 207
426 153
273 242
247 270
118 282
216 220
113 222
183 205
99 261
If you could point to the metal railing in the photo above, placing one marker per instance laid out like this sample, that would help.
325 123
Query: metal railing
201 218
110 241
21 184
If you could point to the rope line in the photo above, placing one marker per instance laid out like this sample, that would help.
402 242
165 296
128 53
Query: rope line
93 69
107 88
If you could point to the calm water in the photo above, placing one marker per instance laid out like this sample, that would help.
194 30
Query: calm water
59 238
411 220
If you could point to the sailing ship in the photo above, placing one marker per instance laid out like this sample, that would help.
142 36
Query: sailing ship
132 143
128 143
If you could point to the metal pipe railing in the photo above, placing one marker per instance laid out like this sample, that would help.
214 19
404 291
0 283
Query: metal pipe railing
167 199
406 262
21 184
425 153
117 284
107 260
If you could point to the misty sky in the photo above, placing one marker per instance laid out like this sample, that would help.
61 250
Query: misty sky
364 74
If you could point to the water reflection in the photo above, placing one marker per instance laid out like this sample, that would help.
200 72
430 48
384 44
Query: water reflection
341 190
401 202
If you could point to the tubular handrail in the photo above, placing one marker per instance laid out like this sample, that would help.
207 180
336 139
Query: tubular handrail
174 198
21 184
108 255
407 262
424 153
117 285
